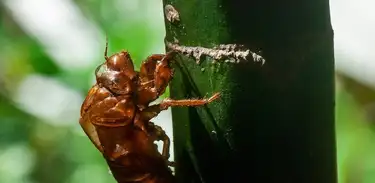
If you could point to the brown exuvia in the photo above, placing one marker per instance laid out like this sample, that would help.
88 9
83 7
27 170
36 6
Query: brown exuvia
116 116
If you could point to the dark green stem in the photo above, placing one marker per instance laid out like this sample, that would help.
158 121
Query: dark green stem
275 121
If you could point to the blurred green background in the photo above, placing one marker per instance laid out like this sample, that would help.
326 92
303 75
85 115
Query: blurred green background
49 49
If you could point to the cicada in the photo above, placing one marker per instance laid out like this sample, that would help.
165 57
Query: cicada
116 115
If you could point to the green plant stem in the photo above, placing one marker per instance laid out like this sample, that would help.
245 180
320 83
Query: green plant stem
274 122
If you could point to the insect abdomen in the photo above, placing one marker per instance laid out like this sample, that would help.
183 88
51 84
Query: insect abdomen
141 170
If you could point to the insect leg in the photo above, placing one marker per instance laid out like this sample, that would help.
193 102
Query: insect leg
147 91
154 75
152 111
148 67
163 74
160 134
166 103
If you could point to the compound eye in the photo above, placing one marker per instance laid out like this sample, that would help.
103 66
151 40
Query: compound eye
100 70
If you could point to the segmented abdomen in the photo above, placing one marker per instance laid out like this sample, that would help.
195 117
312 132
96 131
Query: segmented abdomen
142 169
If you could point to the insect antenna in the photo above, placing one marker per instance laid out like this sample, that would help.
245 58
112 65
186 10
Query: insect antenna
105 56
106 48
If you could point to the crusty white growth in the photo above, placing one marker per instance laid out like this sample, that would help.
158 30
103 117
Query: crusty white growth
232 53
171 13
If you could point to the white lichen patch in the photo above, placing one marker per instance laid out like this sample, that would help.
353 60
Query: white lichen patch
231 53
171 13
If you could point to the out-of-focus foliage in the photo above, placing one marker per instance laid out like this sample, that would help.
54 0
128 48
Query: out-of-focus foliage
355 131
40 138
